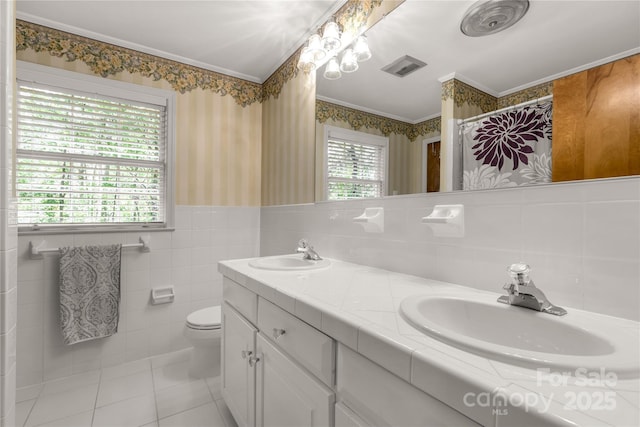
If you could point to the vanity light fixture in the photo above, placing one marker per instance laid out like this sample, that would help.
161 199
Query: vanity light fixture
332 70
306 63
349 61
361 48
331 37
317 49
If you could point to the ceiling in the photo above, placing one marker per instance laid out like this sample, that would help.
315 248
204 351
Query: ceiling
246 39
250 39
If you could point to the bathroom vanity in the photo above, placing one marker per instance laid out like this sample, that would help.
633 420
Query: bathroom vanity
328 346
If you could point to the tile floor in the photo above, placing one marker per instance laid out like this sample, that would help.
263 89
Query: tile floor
152 392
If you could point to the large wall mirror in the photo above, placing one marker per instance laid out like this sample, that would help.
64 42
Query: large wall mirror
553 40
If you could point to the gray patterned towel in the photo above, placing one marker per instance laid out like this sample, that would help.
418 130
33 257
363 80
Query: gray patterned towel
89 292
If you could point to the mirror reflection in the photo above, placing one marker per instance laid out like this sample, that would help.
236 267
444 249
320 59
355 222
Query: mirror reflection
584 53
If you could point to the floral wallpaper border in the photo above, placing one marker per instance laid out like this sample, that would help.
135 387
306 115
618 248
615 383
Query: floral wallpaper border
357 119
525 95
106 59
350 17
462 93
428 127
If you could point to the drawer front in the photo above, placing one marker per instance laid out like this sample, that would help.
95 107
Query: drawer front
308 346
240 298
381 398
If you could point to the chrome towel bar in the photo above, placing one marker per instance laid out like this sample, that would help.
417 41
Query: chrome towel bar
37 251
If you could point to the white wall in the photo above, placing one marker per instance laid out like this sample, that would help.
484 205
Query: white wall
8 240
185 258
581 239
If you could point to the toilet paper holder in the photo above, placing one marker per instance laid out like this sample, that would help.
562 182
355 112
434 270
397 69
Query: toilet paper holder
162 295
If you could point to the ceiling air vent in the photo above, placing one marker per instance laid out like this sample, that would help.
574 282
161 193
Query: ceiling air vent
403 66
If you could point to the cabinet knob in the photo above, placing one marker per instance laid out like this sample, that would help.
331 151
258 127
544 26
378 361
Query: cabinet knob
277 333
253 360
245 353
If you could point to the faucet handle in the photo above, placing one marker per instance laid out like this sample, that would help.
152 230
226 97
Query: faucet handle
303 243
519 267
519 272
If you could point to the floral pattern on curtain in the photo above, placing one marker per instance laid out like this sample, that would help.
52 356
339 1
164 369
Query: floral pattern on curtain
508 149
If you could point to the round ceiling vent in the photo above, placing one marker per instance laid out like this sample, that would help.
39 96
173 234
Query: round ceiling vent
491 16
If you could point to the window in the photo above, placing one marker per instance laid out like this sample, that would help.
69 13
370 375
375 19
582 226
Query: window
355 164
91 153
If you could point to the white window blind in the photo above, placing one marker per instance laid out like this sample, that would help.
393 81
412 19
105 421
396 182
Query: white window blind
89 159
355 169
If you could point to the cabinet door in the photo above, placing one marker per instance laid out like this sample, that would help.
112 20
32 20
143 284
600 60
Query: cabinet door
238 367
286 394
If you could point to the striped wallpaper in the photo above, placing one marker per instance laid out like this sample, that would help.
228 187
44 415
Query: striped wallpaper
288 143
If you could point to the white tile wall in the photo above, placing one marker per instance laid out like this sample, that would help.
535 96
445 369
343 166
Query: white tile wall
8 235
185 258
582 239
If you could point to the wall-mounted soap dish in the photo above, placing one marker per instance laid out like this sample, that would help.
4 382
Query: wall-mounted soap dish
372 220
446 220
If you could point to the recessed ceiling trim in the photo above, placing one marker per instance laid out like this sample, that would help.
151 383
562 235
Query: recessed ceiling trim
133 46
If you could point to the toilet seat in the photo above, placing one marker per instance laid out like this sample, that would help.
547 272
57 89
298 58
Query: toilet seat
205 319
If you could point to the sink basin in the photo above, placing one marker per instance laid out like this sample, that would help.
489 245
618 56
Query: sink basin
293 262
524 337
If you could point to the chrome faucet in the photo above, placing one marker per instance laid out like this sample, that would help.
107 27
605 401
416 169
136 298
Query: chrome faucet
305 248
523 293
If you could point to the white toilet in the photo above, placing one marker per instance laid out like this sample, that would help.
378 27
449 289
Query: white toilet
203 332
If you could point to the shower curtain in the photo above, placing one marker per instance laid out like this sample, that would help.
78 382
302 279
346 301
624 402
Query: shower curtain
508 149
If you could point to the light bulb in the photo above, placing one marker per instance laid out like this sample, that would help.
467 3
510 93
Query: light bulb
315 46
331 36
332 70
349 62
361 49
305 63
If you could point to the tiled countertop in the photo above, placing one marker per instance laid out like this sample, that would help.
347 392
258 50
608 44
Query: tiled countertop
359 307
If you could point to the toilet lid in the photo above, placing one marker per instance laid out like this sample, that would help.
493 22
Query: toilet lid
207 318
